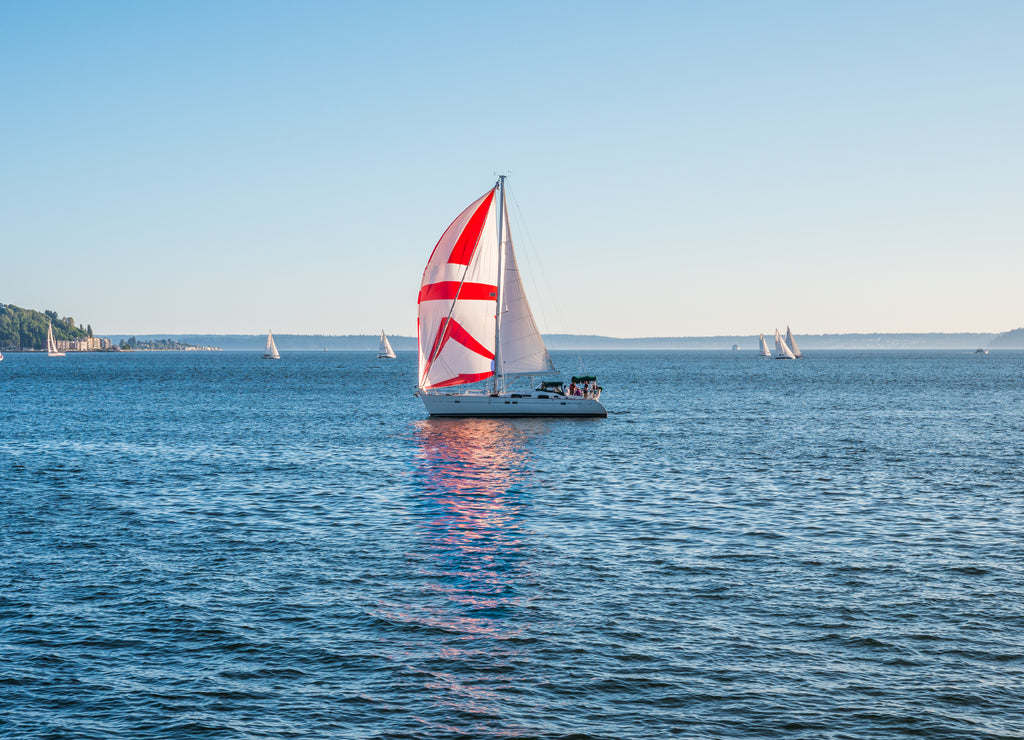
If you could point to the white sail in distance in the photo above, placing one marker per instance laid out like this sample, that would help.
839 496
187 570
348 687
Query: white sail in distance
782 351
271 350
385 347
791 343
51 343
765 352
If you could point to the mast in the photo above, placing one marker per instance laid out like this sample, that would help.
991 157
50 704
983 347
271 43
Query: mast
499 375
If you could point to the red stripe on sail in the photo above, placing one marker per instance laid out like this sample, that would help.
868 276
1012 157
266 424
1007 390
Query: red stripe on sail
461 379
454 330
463 250
449 291
463 337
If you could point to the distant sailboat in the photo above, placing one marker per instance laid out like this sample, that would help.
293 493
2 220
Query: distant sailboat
385 348
765 352
271 352
51 344
782 351
791 343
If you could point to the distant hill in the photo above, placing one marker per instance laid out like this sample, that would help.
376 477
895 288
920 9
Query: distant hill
1009 340
24 328
369 342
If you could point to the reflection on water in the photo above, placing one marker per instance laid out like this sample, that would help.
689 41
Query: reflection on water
470 501
472 561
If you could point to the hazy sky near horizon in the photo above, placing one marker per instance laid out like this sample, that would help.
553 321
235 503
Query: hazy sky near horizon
676 168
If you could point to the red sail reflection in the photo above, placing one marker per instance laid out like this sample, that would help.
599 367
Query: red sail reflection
464 621
470 472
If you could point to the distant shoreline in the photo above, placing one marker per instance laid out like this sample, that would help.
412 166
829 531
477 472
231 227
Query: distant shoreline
557 342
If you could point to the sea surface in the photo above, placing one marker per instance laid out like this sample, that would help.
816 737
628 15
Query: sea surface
210 545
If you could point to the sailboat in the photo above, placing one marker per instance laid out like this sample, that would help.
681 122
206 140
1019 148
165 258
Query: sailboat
475 325
782 351
385 348
271 352
51 343
791 343
765 352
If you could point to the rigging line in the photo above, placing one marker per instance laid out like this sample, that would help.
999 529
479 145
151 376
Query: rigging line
550 294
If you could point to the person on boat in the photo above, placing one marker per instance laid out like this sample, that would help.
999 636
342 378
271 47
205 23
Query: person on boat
572 388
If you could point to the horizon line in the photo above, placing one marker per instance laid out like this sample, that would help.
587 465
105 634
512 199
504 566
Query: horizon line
557 334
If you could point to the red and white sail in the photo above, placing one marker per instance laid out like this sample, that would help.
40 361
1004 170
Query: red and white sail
458 304
457 300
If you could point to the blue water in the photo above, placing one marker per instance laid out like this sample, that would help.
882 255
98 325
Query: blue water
216 546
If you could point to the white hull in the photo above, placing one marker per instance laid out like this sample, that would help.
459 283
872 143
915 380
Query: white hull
510 404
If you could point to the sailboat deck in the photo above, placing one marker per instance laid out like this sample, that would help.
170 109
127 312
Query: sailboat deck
482 403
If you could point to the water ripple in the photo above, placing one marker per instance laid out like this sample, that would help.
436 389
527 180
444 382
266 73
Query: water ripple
216 547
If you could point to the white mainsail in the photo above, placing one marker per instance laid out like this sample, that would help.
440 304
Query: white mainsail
791 343
522 350
51 343
271 352
782 352
385 347
765 352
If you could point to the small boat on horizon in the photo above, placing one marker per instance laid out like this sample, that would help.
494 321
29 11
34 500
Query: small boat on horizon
271 352
782 350
51 343
385 351
791 343
475 325
765 352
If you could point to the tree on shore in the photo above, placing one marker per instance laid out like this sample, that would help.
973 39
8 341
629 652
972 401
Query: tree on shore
23 328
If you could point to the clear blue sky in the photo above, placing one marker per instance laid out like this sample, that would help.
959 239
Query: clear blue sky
680 168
